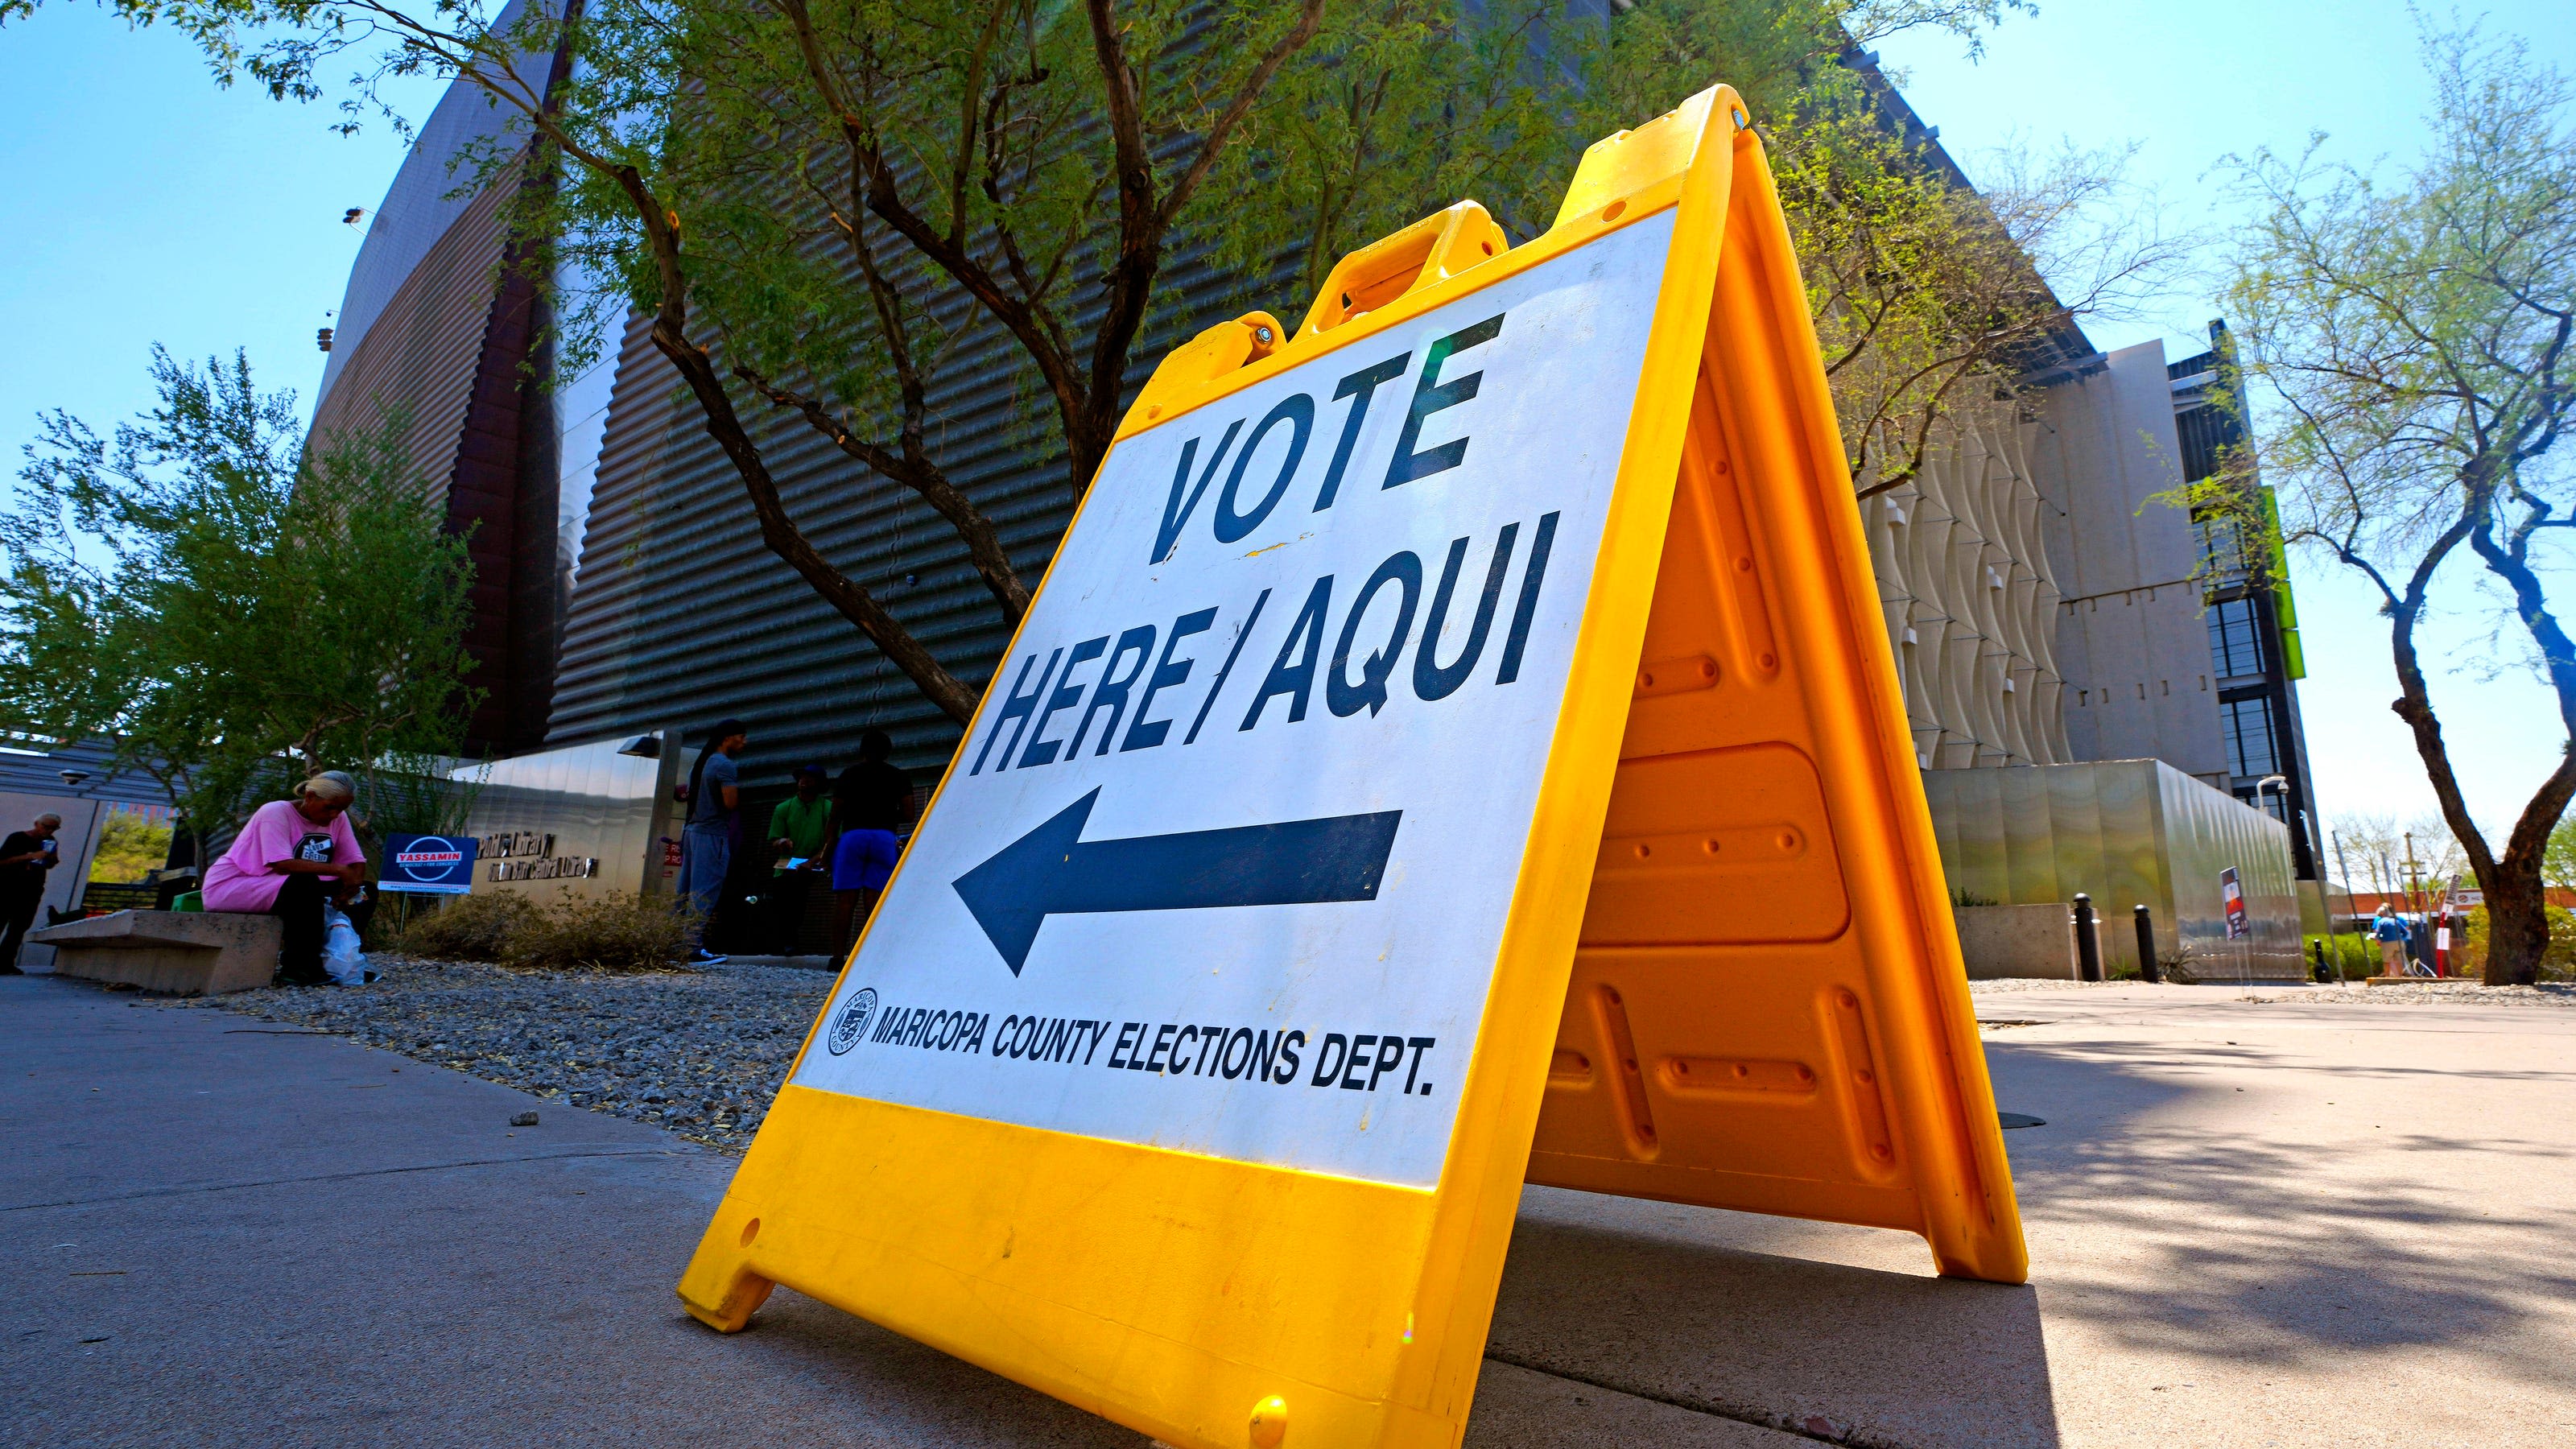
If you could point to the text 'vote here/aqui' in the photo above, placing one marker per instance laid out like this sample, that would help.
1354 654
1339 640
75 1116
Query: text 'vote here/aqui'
1409 627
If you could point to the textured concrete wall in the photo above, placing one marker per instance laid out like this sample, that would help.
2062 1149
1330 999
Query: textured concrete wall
1969 599
2000 941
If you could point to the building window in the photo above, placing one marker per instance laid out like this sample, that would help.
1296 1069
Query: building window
2236 637
2248 725
2206 433
2224 556
2271 802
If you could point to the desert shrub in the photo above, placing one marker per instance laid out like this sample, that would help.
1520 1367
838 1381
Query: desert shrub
467 928
599 933
2348 957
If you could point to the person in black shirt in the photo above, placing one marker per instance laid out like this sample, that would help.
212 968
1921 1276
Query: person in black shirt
25 856
870 801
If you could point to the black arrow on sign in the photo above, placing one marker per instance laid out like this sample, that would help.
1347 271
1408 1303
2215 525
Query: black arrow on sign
1053 871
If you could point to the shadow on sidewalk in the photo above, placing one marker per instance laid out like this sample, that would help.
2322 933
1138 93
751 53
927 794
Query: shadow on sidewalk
1654 1303
2306 1243
2162 1219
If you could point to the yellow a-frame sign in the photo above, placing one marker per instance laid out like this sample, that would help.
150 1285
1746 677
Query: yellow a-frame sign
1454 741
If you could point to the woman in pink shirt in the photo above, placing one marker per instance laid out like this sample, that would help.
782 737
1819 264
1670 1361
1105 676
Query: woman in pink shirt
291 857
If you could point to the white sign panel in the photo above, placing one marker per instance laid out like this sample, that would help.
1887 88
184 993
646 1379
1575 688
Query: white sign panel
1224 866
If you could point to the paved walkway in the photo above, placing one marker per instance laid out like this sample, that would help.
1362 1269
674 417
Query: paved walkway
2251 1224
217 1231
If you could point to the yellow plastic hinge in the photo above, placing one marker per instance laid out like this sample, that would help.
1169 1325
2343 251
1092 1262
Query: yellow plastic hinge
1630 161
1425 254
1210 355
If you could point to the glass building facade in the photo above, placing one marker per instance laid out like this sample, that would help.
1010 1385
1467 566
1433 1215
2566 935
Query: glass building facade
2251 616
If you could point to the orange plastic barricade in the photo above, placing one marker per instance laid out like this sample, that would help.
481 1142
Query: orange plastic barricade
1380 802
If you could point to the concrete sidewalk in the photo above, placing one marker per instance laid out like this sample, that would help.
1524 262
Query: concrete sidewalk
2273 1223
2265 1223
213 1230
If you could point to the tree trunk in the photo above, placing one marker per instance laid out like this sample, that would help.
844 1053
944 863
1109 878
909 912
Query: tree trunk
2517 929
2517 898
2514 951
854 602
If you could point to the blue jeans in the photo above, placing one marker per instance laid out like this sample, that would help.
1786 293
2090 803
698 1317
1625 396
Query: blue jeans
705 855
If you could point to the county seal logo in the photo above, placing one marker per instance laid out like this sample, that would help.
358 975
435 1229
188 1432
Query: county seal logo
852 1021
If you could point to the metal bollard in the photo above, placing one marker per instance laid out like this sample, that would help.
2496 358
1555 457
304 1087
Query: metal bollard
2149 968
2088 946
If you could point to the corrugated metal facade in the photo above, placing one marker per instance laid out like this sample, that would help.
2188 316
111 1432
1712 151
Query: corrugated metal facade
419 349
442 326
681 616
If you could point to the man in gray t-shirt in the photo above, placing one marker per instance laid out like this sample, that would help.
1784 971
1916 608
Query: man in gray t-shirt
714 799
706 846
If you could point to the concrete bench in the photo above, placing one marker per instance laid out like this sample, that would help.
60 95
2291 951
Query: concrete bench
190 953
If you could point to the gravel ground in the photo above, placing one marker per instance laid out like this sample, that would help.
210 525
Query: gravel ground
699 1052
2016 985
2548 994
2558 994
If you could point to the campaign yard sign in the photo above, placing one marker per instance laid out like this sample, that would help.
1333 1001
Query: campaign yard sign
427 865
1191 1063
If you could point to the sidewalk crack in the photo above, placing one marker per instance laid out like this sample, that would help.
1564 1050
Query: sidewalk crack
153 1192
1813 1427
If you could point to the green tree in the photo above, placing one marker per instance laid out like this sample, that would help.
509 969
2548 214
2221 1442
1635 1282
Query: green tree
1928 296
2558 858
825 206
234 609
2411 338
130 846
819 203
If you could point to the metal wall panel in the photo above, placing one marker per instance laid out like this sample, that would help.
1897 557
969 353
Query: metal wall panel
420 354
681 614
594 803
2128 630
2207 832
2123 832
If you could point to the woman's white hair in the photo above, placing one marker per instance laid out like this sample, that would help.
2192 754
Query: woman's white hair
329 785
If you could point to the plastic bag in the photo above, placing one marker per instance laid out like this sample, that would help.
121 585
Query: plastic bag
340 955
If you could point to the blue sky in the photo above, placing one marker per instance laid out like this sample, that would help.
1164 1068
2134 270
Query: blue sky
149 206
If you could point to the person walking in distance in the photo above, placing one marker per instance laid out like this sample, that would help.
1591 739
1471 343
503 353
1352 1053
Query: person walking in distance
872 799
24 858
2390 933
706 846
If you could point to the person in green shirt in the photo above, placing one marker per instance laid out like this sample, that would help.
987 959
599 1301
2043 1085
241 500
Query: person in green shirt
799 828
800 831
